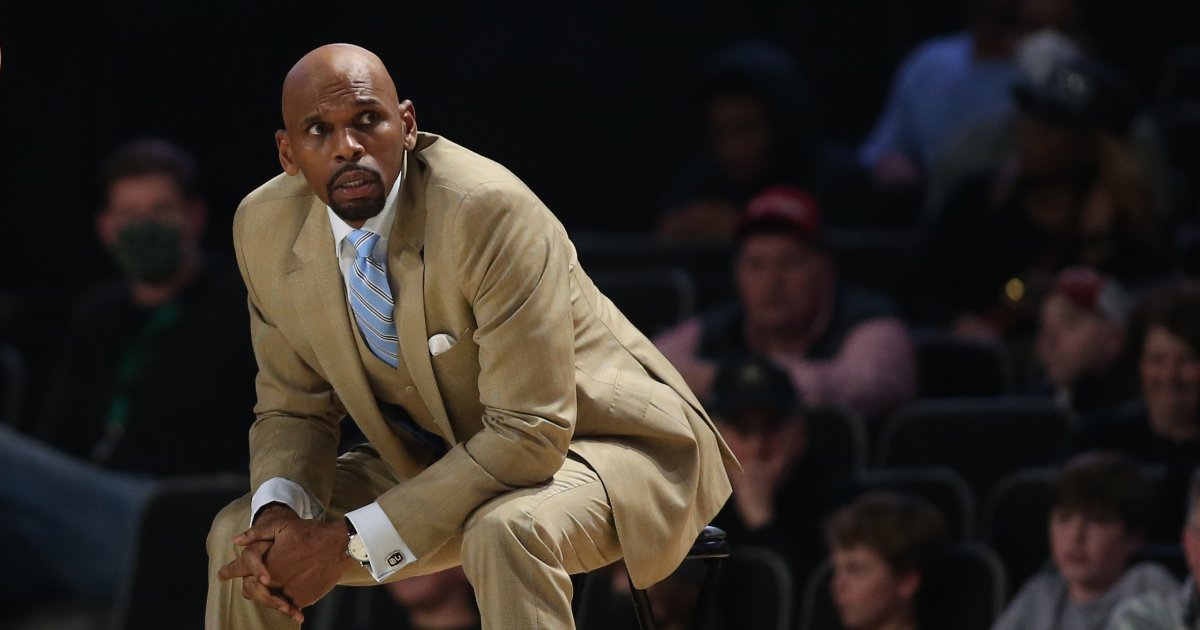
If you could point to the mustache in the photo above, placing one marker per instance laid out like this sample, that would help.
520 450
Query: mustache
346 169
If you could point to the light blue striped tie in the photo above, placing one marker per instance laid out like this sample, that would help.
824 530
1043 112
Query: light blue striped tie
371 299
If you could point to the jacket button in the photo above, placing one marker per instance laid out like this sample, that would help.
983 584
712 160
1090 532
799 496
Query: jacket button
410 390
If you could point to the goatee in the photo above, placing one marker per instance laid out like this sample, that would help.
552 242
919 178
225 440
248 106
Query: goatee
357 209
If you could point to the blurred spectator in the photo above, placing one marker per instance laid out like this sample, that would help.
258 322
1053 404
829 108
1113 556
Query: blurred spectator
1169 611
783 490
1074 196
1081 335
1163 428
438 601
162 354
156 379
1056 33
1098 516
944 83
840 344
757 124
883 547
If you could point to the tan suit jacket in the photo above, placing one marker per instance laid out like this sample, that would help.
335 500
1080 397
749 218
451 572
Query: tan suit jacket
543 363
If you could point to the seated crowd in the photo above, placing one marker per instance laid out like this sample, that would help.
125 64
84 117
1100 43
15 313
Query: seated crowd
1046 231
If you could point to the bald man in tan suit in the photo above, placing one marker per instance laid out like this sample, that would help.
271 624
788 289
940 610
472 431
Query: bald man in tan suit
518 424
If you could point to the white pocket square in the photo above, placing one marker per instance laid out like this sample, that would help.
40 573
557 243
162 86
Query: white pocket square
440 343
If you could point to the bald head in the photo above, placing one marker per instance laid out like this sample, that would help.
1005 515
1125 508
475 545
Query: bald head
331 68
345 129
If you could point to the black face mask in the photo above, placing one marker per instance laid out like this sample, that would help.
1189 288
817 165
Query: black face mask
149 251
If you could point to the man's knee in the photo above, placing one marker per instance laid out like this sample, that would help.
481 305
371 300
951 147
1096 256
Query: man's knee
232 520
504 526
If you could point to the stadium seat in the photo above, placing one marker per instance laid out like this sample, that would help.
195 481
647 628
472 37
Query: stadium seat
168 576
969 587
653 298
981 439
710 266
939 485
1015 520
951 367
881 260
839 435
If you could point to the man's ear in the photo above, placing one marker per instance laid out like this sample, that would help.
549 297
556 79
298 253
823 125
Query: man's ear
285 153
910 583
408 114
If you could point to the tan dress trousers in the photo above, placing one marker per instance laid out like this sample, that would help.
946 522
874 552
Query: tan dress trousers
518 549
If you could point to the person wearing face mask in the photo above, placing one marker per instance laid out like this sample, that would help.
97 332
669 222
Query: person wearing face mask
1163 427
154 380
1098 518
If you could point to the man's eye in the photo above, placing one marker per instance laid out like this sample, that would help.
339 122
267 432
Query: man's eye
367 118
316 129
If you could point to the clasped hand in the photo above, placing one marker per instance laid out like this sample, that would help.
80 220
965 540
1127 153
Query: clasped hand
288 562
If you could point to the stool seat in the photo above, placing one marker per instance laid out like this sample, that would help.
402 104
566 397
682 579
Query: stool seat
711 543
710 546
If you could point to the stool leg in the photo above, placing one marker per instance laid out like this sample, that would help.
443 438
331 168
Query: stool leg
641 606
708 593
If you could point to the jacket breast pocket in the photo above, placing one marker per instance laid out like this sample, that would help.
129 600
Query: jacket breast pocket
463 349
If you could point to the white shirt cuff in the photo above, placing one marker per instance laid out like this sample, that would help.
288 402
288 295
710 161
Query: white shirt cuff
289 493
385 549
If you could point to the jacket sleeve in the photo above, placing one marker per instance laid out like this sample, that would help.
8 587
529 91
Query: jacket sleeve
295 433
513 268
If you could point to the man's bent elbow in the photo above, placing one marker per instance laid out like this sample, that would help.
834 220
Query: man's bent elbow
526 461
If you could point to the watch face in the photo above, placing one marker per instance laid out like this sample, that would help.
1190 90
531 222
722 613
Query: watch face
357 549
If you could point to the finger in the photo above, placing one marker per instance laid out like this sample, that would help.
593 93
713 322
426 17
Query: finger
237 568
254 534
296 605
252 559
254 591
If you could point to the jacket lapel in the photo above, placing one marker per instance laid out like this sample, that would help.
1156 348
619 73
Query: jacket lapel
406 267
318 292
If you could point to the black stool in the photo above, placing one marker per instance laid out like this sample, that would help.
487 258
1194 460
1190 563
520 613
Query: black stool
712 547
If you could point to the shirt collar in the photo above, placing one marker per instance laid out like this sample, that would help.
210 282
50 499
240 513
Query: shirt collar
380 224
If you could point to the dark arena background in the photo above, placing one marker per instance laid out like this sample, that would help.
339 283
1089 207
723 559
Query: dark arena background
931 265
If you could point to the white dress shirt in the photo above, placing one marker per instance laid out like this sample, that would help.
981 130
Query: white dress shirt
385 549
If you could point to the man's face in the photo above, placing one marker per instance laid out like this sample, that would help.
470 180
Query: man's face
1170 375
1073 341
739 137
1089 550
347 133
782 281
149 198
866 591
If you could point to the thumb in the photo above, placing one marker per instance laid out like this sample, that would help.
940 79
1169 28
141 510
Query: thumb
266 531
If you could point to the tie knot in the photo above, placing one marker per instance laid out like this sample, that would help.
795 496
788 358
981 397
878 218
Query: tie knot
363 242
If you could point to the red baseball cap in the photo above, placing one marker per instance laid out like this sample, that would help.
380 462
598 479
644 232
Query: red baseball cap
1093 291
785 206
